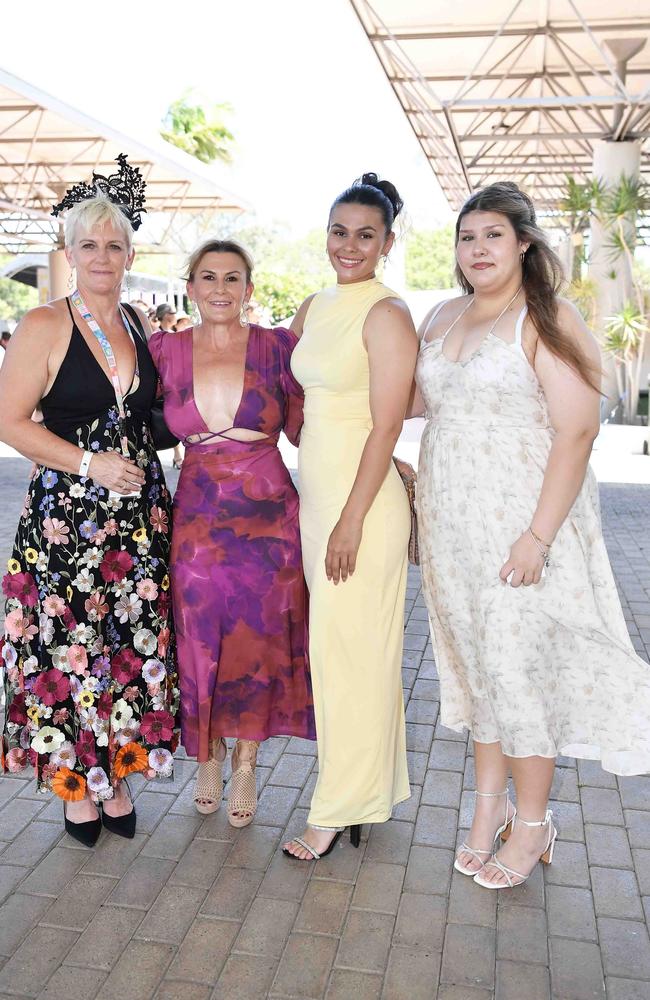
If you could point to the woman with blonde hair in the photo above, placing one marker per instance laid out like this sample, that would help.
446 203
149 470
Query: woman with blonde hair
530 642
239 594
90 672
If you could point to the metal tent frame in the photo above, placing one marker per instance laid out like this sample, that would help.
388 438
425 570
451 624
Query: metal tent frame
516 90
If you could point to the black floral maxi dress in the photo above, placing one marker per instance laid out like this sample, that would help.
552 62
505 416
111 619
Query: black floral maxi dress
90 678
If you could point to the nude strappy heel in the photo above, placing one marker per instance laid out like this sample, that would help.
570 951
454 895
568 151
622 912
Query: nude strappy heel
503 832
546 857
208 789
243 788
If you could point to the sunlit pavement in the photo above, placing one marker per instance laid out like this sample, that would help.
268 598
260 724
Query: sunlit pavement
192 909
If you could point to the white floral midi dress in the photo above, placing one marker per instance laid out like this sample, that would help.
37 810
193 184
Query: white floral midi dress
545 669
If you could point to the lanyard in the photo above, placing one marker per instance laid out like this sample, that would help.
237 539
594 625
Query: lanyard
105 345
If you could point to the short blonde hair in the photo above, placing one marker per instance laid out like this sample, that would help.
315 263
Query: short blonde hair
219 246
96 211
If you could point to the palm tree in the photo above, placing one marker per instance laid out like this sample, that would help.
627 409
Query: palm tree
199 132
625 334
579 203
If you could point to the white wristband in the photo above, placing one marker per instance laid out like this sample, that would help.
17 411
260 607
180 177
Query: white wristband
85 464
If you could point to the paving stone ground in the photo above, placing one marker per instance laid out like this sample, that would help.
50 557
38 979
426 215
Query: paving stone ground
194 910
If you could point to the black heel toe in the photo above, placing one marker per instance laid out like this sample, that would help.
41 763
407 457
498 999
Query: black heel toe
355 835
86 833
123 826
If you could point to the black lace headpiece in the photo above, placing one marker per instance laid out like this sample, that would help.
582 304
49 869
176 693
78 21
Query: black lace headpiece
124 188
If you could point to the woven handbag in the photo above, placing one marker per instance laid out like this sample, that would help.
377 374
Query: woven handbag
409 480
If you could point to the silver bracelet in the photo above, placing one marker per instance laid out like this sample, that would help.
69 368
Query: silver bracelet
85 464
544 553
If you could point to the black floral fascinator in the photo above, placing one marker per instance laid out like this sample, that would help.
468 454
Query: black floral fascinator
125 188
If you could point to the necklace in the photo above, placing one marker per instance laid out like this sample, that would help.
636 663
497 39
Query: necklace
503 311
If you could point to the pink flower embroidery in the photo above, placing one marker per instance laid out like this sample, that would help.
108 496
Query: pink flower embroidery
55 531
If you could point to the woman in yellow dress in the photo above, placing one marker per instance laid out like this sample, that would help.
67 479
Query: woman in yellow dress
355 360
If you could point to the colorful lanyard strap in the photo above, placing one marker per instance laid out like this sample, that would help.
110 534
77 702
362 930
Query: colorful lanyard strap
105 345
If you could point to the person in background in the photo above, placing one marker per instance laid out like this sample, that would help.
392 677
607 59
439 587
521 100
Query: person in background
183 321
154 322
166 316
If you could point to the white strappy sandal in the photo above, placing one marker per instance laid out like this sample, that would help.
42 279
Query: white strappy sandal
511 875
503 832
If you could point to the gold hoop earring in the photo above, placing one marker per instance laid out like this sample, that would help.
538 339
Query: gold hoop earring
522 256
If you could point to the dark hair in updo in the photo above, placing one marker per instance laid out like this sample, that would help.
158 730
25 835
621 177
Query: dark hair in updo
369 190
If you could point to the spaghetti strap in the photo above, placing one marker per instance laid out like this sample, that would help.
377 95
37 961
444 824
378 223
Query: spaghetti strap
520 324
424 341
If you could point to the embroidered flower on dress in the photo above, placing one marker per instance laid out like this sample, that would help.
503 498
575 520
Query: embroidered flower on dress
56 532
22 587
64 756
154 672
115 565
147 589
121 715
68 785
157 727
54 605
161 761
159 520
145 641
47 739
51 686
128 608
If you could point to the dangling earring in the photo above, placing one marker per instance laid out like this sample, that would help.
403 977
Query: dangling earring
128 284
243 320
522 256
71 281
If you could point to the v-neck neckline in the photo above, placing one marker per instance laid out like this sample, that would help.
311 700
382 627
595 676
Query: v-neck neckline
189 351
101 367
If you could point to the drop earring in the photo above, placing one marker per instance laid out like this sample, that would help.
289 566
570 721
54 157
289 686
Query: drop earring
128 285
242 314
71 281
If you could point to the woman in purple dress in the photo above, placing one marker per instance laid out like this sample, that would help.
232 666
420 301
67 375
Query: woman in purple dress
238 589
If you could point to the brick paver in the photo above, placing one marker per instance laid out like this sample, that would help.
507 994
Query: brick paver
194 910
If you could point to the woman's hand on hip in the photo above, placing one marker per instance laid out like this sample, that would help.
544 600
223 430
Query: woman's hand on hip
114 472
525 563
342 548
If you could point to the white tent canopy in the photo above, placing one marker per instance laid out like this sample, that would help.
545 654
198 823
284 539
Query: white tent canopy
46 146
515 89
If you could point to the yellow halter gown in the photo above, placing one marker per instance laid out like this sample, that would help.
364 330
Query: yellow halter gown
356 628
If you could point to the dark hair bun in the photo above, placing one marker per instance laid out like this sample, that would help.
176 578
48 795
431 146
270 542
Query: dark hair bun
386 188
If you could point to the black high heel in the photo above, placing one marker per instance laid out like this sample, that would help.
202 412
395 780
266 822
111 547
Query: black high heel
123 826
86 833
355 835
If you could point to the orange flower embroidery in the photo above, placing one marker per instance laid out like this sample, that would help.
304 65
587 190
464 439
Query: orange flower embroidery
129 758
69 786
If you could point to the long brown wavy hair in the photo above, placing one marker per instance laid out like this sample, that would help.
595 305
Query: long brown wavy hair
542 274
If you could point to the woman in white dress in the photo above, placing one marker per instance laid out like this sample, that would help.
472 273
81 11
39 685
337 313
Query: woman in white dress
532 649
